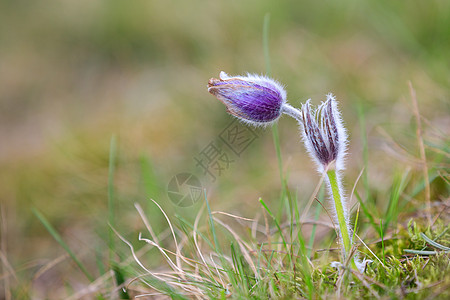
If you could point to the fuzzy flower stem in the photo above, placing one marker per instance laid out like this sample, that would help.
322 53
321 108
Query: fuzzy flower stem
292 112
344 230
339 209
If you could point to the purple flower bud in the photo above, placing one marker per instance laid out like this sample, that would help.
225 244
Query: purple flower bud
324 135
255 99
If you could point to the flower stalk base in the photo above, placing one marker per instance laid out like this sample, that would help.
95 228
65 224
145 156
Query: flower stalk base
344 230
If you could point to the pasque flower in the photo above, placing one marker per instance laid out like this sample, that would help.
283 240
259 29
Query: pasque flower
254 99
325 139
259 100
324 134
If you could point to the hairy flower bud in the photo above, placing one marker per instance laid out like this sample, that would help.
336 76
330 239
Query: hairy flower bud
324 135
254 99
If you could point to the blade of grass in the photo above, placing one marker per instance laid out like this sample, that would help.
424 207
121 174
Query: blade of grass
421 185
240 270
393 210
292 210
213 229
99 262
316 217
119 276
355 227
280 231
276 141
217 247
382 241
433 243
190 226
149 178
111 221
162 287
305 269
365 152
61 242
371 252
258 262
423 157
275 135
424 252
366 211
5 265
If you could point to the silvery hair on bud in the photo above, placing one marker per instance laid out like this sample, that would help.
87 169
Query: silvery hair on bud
341 132
324 135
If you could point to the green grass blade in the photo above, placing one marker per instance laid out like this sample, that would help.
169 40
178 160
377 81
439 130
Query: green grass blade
213 228
278 227
393 207
162 286
355 227
276 142
239 268
423 252
200 234
421 186
433 243
316 217
366 212
382 241
149 179
119 275
365 152
99 262
305 269
275 135
217 247
111 219
61 242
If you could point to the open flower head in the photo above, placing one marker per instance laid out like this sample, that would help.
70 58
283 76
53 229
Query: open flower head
254 99
324 134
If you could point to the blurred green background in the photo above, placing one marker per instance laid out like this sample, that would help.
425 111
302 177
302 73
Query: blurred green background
75 73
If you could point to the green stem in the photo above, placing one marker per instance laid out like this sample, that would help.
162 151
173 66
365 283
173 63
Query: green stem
111 204
344 230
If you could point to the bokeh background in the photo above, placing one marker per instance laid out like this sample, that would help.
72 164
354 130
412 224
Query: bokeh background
74 74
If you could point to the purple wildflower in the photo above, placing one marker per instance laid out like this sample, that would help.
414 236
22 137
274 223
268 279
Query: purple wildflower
254 99
324 135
